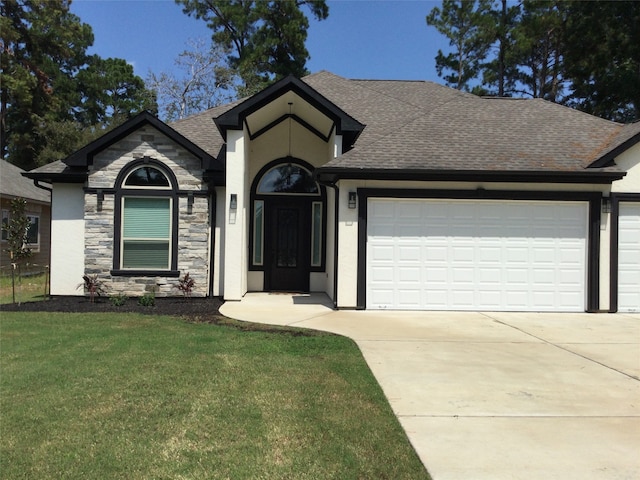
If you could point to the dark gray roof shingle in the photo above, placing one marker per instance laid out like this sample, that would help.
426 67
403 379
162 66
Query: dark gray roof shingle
13 184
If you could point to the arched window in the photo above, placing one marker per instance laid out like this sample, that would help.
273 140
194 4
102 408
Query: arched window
147 177
146 220
288 178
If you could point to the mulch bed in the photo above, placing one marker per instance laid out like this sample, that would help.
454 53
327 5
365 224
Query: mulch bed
195 308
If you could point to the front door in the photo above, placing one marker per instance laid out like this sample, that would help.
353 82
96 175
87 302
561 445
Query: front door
288 247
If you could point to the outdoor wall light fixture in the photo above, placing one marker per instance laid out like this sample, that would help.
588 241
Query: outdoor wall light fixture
190 203
100 196
352 200
606 205
233 201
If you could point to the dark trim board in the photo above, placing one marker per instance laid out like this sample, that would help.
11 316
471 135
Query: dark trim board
334 174
593 235
616 198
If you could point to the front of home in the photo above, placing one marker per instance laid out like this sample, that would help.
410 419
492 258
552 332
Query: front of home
382 194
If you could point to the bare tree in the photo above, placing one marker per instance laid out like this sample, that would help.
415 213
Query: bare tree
204 81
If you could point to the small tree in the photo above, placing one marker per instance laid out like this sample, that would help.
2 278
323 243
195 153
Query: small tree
17 230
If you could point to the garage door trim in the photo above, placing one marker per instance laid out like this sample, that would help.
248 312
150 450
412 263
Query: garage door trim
593 238
616 198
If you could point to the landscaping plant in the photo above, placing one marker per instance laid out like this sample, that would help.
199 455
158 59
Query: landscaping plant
186 285
93 285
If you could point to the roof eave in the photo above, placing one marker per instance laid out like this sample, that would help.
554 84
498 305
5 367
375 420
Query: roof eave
84 156
65 177
331 175
608 158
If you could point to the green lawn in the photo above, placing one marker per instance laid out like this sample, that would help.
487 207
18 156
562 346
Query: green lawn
27 287
132 396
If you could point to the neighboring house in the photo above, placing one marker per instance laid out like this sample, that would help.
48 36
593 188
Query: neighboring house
14 185
383 194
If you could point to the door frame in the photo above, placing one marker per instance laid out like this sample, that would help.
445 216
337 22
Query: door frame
594 200
271 202
615 199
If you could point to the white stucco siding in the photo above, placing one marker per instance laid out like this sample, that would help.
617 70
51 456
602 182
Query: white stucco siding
630 162
236 247
218 231
67 239
274 144
347 248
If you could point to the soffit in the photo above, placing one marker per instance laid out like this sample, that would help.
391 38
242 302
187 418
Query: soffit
289 105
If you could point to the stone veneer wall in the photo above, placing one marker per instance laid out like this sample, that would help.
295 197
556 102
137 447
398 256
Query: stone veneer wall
193 228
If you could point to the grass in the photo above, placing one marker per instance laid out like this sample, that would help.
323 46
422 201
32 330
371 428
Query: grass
140 397
28 288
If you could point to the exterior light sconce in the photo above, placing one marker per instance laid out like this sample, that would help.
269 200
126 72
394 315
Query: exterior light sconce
352 200
190 203
100 197
606 205
233 201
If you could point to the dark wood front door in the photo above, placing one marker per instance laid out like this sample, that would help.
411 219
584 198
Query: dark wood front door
288 247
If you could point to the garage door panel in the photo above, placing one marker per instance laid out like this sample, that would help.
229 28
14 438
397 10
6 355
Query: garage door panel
629 257
490 255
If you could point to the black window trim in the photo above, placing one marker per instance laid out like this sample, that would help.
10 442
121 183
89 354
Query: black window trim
120 192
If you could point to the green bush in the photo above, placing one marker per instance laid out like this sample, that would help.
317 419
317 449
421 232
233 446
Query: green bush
147 300
118 299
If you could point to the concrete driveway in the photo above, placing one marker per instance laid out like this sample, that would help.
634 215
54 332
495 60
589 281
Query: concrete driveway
495 395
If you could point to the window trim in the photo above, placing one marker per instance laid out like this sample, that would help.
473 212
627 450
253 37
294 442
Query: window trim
121 192
5 216
34 245
124 239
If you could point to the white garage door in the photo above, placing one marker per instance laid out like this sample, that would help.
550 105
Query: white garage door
476 255
629 257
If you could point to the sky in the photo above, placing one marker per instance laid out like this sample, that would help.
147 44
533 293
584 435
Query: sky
363 39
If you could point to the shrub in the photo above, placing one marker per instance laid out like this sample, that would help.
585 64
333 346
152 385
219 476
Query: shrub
118 300
147 300
186 285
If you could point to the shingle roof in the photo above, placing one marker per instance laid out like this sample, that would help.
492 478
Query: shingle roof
13 184
425 126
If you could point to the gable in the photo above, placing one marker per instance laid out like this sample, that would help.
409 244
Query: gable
85 156
293 99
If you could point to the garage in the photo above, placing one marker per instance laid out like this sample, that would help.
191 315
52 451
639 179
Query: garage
492 255
629 257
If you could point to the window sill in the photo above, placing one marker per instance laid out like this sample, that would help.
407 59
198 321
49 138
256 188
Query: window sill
145 273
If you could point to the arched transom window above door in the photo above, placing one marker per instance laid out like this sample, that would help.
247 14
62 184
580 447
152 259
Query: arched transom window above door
287 178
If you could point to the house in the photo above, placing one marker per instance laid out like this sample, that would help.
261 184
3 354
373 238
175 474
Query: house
38 210
383 194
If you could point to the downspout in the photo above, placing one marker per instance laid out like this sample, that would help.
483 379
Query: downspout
39 185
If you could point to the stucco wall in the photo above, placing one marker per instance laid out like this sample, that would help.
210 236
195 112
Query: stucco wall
629 161
67 239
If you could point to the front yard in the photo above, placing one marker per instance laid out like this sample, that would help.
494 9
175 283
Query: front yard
124 395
